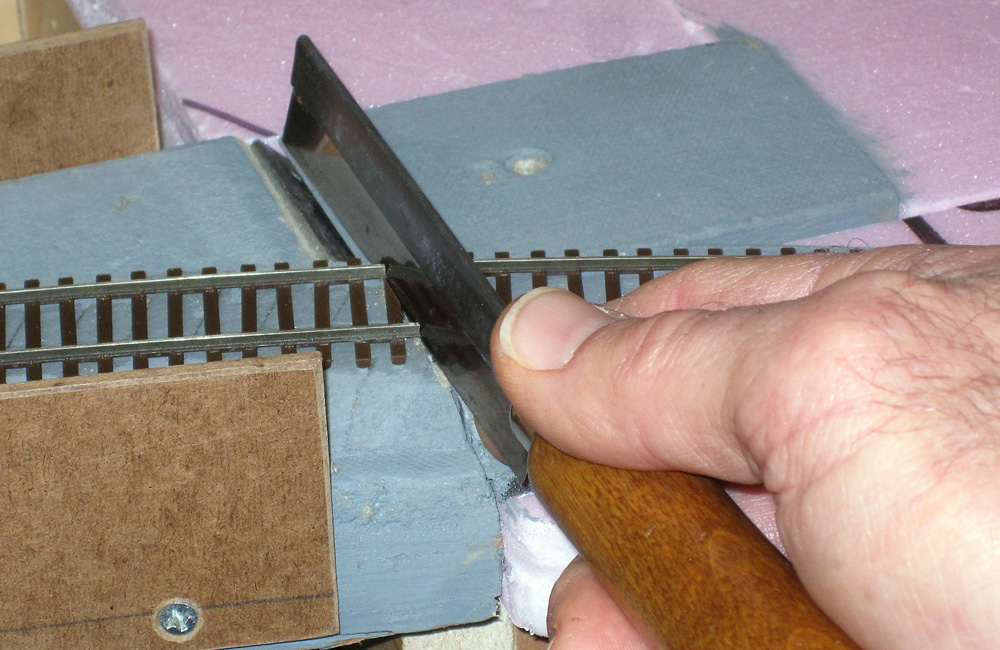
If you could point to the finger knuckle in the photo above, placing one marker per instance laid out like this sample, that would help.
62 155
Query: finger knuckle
865 316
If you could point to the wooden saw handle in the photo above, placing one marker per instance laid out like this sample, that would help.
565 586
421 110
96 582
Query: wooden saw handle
681 557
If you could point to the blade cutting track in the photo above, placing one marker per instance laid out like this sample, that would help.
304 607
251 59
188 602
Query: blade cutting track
103 326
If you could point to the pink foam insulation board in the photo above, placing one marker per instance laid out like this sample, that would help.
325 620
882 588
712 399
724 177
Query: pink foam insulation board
236 57
920 80
953 226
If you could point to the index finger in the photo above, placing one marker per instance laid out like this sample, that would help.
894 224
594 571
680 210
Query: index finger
726 282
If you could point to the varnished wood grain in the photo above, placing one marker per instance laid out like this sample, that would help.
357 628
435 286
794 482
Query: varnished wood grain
681 557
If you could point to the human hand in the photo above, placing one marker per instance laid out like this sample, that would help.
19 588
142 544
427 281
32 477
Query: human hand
862 391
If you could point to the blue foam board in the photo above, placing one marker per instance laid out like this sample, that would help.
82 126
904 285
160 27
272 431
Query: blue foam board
415 524
719 144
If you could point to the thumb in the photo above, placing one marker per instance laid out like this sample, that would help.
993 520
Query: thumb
640 393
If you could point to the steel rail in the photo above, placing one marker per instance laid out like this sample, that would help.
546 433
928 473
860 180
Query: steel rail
192 283
337 275
382 333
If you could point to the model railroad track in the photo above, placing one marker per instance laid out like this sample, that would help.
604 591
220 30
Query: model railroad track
70 329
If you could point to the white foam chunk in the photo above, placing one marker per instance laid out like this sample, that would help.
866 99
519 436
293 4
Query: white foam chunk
535 554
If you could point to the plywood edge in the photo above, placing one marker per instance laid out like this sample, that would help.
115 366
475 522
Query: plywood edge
135 26
300 361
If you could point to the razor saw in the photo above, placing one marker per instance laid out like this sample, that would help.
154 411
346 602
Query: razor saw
674 550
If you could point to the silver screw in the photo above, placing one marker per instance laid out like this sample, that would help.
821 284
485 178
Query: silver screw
177 619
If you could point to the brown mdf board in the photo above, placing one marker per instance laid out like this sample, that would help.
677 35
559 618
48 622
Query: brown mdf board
76 98
207 485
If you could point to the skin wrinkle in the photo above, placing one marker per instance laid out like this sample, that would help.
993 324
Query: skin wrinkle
807 344
685 288
936 575
715 305
733 448
784 470
758 457
618 377
657 342
947 265
852 267
631 383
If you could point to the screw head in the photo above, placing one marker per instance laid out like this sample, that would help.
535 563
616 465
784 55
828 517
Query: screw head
177 619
